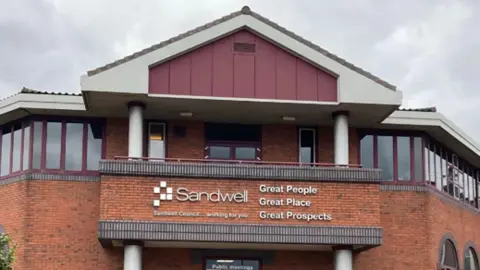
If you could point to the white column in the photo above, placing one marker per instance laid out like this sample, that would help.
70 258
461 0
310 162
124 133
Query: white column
135 130
343 259
132 258
341 138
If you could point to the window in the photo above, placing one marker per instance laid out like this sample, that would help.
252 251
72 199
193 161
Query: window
307 145
403 159
215 264
366 151
232 142
448 256
6 147
156 140
470 262
73 146
385 156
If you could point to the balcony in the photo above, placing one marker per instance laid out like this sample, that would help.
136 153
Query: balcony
231 169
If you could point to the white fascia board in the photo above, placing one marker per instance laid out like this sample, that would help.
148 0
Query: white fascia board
132 76
41 101
433 119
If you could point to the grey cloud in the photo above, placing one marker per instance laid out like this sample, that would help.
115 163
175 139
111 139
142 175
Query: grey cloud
428 48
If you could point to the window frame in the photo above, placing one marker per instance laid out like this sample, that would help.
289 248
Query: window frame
470 246
148 123
233 145
448 237
299 143
395 134
43 120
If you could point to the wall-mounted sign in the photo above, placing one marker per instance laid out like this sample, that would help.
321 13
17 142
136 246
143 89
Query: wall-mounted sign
273 200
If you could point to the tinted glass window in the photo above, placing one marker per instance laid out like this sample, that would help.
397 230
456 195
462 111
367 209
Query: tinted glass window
37 144
26 148
403 158
470 261
17 147
366 151
449 255
94 143
232 132
54 135
74 147
418 158
247 153
6 147
219 152
385 156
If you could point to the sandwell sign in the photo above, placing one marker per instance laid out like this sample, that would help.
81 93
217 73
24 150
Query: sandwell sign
273 200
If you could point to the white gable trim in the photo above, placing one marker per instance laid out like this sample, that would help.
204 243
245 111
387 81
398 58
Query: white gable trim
132 76
41 101
433 119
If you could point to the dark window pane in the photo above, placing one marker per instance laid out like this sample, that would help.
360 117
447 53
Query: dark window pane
366 151
307 146
17 148
418 158
232 132
37 144
403 159
449 256
385 157
54 135
26 148
219 152
74 149
94 150
245 153
6 147
156 141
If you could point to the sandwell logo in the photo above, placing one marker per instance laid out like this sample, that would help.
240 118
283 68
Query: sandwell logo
165 193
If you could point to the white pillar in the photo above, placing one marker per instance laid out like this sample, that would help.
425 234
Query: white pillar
135 130
341 138
343 259
132 258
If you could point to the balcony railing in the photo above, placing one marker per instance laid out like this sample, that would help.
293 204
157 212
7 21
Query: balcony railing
231 169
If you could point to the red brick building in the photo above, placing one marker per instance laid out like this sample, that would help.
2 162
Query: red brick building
236 145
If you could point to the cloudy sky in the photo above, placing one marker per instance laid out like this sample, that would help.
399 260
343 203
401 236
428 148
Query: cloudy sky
428 48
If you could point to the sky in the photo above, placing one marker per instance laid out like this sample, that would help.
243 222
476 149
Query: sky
429 49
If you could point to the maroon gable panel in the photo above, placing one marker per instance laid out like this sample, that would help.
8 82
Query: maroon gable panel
242 65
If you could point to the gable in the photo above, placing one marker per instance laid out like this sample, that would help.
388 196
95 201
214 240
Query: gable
242 65
131 74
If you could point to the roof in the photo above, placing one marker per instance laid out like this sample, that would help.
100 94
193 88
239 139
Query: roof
31 91
245 10
426 109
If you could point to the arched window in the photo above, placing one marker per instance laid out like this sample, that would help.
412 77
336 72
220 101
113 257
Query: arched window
448 256
470 260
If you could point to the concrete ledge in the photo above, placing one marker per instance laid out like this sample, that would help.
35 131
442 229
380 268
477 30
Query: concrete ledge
239 171
239 233
61 176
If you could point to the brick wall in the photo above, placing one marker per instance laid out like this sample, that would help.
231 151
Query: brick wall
13 213
414 224
279 142
54 224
